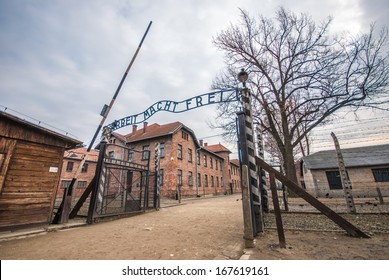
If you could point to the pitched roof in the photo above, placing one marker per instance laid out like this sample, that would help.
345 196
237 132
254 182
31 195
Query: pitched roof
156 130
79 152
353 157
9 118
152 131
235 162
217 148
119 136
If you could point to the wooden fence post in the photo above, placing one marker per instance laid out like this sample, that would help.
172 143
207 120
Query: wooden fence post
248 234
277 211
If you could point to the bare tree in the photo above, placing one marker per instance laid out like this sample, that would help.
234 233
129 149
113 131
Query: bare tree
300 75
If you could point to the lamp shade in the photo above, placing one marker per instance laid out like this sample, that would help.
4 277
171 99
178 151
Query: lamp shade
243 76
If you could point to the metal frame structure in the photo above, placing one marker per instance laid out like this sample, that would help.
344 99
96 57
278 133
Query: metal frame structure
122 187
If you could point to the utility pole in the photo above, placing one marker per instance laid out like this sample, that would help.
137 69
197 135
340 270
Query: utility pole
346 183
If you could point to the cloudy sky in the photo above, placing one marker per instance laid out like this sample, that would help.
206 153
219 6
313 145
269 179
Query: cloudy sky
61 61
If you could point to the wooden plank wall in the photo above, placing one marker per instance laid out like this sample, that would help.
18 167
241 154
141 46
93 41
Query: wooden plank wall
29 187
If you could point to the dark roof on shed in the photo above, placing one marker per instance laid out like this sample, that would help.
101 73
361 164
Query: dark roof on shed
12 133
353 157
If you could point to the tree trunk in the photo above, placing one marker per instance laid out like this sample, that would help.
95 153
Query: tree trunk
289 166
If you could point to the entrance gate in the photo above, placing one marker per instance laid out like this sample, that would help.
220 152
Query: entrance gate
122 186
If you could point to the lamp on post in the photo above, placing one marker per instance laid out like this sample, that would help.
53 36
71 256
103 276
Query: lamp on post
242 77
251 200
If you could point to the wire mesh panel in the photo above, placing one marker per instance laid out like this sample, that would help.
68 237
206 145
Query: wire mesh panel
124 186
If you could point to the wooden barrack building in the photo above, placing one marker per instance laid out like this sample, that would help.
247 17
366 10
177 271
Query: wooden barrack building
30 167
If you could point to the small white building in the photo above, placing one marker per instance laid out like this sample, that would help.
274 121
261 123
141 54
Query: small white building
367 168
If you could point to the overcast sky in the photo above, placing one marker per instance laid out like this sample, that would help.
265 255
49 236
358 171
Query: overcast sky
61 61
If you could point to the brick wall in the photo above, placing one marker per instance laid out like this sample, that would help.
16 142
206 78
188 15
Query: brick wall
71 162
180 168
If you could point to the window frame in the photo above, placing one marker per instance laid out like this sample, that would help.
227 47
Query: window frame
381 175
179 151
69 166
333 179
145 152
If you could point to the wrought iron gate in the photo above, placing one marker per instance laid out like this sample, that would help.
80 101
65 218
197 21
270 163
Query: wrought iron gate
123 186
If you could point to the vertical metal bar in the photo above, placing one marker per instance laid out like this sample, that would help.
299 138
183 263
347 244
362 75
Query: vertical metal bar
277 211
146 198
99 168
157 199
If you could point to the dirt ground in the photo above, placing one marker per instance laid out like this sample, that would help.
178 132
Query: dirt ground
205 229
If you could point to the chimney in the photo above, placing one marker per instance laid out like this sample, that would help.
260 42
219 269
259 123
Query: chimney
144 127
205 144
134 127
201 143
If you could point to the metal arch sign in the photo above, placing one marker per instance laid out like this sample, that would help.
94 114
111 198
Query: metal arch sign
214 97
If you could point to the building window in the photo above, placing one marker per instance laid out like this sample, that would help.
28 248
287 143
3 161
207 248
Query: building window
184 135
179 177
130 155
198 158
216 165
111 155
129 178
65 184
205 160
69 166
81 184
179 152
334 180
211 163
205 180
217 181
162 150
84 168
190 178
190 155
198 179
381 174
143 179
212 182
146 152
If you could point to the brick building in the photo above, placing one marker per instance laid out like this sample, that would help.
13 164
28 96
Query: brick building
186 164
71 162
235 176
